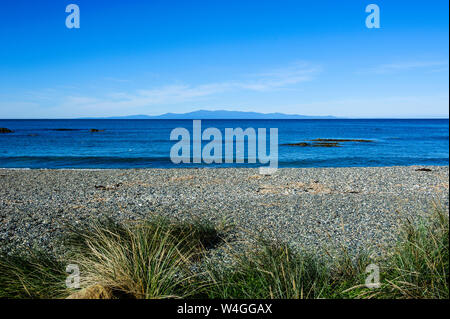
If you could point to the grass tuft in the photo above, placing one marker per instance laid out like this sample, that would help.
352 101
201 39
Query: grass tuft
419 266
153 259
161 258
275 271
36 275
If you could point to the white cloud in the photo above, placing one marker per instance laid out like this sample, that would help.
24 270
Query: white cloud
179 93
405 66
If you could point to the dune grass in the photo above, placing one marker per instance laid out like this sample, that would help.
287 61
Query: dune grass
275 271
161 258
33 275
419 266
153 259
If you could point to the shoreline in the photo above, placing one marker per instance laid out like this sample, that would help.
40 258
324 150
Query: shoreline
206 167
313 208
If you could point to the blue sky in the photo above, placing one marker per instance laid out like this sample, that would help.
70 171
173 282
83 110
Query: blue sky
152 57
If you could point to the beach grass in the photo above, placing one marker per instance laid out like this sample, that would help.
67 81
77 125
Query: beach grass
162 258
276 271
419 266
32 275
150 260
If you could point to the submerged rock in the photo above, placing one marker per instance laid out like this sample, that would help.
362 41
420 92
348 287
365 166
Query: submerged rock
340 140
298 144
94 130
326 142
5 130
315 144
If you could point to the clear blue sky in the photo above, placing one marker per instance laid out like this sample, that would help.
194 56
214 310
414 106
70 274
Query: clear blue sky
152 57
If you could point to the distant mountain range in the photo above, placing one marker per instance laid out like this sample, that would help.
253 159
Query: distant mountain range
223 114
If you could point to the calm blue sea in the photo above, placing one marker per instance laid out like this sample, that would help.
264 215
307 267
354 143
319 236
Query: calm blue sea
146 143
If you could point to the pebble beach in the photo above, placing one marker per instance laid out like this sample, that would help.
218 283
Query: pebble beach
311 208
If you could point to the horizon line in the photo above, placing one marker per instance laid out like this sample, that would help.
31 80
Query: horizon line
330 117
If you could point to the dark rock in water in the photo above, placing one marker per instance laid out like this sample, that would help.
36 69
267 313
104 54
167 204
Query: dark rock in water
423 170
93 130
326 144
340 140
316 144
5 130
298 144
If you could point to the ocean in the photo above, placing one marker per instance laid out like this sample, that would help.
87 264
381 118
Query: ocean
147 144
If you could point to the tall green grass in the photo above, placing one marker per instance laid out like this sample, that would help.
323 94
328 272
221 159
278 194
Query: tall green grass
275 271
419 266
161 258
153 259
33 275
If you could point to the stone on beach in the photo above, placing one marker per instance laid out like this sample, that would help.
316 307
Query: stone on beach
312 208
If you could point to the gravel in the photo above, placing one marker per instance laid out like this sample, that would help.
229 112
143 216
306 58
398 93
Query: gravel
312 208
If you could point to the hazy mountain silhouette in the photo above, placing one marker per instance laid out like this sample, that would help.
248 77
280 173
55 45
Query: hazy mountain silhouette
222 114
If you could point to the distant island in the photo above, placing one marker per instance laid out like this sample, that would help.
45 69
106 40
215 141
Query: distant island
216 115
